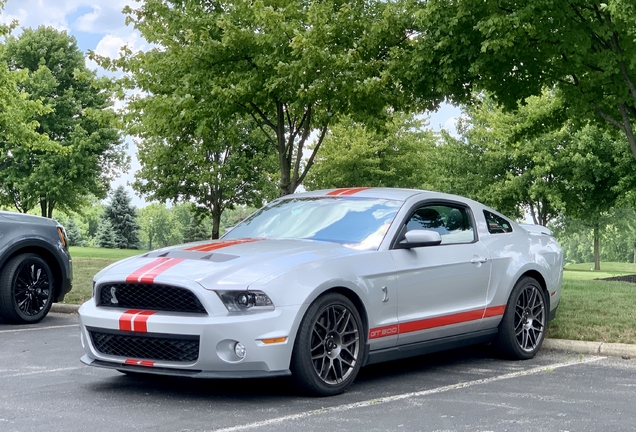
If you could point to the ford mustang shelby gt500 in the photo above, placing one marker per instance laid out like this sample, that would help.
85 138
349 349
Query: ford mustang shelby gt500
321 283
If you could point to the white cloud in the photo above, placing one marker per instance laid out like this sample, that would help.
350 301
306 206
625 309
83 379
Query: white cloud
104 17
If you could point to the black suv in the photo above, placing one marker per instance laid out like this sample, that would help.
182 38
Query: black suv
35 267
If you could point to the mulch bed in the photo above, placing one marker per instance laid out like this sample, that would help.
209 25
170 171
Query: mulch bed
627 278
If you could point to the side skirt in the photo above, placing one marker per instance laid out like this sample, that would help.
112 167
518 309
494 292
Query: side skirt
428 347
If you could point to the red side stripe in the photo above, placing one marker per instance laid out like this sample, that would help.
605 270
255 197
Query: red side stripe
125 320
134 277
440 321
149 276
429 323
494 311
220 244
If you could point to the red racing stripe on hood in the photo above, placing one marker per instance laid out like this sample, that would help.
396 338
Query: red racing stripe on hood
346 191
149 272
137 274
220 244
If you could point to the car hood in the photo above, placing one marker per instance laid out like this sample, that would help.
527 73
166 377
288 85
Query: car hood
27 218
224 264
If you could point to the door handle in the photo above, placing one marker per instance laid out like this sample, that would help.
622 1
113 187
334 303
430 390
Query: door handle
479 260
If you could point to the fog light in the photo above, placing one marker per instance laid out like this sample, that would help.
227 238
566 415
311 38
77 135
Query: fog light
239 350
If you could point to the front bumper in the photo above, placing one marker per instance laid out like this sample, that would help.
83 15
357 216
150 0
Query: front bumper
215 335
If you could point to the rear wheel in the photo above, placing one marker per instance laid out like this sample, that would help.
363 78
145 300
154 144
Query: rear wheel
26 289
328 350
522 328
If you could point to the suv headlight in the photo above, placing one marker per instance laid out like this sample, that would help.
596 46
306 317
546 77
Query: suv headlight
243 301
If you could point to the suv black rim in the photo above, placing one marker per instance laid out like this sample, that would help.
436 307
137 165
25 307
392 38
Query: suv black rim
32 288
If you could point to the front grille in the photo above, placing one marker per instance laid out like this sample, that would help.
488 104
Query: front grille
156 347
149 296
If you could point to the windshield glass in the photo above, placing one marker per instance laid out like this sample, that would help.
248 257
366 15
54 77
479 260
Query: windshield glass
358 223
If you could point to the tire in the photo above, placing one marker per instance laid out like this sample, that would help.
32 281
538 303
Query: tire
26 289
522 328
329 347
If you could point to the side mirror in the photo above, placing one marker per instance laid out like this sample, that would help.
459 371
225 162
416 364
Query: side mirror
420 238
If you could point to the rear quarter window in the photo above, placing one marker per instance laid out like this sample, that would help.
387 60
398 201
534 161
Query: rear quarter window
497 224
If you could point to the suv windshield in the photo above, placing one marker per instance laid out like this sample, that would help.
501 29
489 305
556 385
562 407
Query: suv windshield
358 223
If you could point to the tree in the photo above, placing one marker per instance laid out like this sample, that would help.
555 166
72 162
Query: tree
580 172
196 158
122 217
293 67
354 155
586 49
158 226
509 160
617 234
106 237
73 233
84 148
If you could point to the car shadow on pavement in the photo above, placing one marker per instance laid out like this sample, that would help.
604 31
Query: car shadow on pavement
414 373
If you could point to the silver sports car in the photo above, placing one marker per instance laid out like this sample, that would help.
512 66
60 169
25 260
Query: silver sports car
318 284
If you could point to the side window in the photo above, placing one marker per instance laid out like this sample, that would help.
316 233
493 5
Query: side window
497 224
453 223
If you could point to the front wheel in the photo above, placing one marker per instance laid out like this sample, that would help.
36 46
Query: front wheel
328 350
26 289
522 328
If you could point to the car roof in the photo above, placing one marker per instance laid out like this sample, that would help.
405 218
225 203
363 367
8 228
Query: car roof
375 192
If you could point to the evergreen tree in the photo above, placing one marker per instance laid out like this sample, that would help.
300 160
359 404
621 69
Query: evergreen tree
105 236
196 231
123 219
73 233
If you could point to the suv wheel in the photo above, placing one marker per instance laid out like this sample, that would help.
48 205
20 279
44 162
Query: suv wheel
26 289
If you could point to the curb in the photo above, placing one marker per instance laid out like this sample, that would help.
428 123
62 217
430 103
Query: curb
64 308
626 351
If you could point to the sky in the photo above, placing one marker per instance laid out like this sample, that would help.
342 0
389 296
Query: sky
99 25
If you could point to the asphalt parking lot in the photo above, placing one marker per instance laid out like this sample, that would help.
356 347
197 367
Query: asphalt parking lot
45 387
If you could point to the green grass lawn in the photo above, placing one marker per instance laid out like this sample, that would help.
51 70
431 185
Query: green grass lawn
590 309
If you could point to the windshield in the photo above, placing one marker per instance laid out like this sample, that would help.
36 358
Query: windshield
359 223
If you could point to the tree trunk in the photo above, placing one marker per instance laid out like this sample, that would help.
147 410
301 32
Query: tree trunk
597 253
216 223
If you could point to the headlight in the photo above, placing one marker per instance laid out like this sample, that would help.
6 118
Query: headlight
242 301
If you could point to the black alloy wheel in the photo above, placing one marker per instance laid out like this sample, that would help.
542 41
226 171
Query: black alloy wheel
523 326
328 349
26 289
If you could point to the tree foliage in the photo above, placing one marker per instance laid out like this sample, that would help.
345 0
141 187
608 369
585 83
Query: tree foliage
586 49
77 147
293 67
503 160
355 155
195 158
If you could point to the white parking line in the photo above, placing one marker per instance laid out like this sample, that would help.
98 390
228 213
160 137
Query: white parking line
41 371
37 328
402 396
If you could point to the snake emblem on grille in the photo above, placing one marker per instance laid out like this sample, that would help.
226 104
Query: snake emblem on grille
113 295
